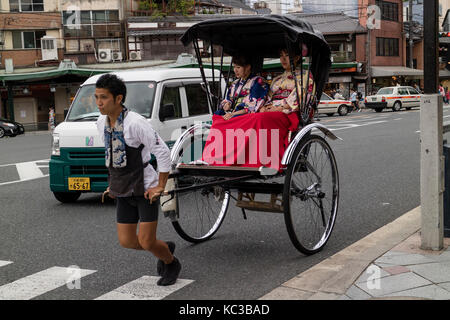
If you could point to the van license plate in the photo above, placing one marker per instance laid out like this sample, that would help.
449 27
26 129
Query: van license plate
79 184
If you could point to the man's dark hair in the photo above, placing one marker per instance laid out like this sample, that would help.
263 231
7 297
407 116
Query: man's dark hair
114 84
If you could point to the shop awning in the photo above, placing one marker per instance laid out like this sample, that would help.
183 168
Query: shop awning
62 70
391 71
444 73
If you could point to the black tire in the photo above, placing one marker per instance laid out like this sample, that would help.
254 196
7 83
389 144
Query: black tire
199 213
397 106
311 195
378 109
343 110
2 132
67 197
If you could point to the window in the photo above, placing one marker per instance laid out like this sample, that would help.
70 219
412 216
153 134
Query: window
389 10
96 23
403 91
27 39
324 97
387 47
412 91
385 91
196 98
171 95
26 5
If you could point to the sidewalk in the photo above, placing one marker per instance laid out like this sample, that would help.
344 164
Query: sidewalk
388 264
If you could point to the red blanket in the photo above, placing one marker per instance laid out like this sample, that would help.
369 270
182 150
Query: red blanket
251 140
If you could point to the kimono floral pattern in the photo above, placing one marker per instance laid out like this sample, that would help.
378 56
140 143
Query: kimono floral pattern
282 91
250 94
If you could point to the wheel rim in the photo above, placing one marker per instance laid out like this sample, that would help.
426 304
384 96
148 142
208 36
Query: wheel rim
2 133
200 212
397 106
313 196
343 110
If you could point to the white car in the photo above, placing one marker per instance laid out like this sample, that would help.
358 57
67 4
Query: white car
330 106
394 98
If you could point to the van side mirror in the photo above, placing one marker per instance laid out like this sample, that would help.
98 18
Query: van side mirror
167 111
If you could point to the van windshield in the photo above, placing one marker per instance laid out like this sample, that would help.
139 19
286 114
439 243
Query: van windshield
140 96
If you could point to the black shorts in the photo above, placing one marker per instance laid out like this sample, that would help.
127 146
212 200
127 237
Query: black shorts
134 209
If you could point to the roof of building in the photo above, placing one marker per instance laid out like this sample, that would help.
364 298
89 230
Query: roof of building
333 23
234 4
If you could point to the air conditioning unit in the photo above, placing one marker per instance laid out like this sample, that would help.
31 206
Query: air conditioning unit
104 55
117 56
49 49
135 55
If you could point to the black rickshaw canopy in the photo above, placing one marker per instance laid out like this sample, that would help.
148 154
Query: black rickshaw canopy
262 36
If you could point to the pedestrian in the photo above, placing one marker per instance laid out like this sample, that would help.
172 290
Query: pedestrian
417 88
51 119
447 95
442 91
354 100
129 142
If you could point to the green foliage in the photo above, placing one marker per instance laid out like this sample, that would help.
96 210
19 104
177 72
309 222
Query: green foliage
184 7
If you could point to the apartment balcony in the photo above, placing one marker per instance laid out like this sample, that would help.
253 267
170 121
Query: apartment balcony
342 56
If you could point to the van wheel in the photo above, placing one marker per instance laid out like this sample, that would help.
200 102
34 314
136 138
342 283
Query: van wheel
67 197
343 110
397 106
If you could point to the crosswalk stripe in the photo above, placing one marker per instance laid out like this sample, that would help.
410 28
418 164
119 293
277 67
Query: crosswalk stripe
144 288
28 171
39 283
4 263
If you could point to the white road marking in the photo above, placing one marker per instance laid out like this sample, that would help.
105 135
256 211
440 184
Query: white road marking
4 263
144 288
27 170
349 126
40 283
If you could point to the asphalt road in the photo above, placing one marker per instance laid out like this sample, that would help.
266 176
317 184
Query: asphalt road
378 160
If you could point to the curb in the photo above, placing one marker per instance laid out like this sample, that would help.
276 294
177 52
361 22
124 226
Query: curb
331 278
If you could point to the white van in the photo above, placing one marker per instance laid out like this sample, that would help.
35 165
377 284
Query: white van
171 99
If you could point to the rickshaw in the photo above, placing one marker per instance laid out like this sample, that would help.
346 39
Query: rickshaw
305 189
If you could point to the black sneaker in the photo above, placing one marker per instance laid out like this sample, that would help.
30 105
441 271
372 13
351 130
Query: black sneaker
160 264
170 274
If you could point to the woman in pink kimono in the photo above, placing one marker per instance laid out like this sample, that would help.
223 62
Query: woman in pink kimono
283 94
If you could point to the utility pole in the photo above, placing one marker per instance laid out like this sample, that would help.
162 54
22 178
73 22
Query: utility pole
411 42
431 137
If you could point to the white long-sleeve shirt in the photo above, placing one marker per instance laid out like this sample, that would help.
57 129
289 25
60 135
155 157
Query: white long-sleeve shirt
137 131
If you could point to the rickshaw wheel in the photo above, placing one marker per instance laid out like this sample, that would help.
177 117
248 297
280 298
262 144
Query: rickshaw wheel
311 194
199 213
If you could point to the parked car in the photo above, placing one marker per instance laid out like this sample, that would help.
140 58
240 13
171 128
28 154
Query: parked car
10 128
394 98
330 106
